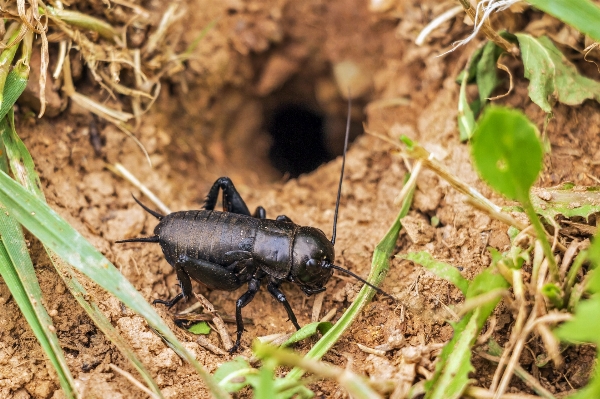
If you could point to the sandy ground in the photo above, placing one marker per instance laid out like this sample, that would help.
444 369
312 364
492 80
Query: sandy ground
209 122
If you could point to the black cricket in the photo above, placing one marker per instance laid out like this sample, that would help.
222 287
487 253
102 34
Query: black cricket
224 250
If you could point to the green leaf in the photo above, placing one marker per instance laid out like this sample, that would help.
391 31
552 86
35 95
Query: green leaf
16 268
487 71
466 120
553 293
583 15
200 328
440 269
266 380
308 331
236 374
552 77
507 152
451 376
454 363
566 200
585 325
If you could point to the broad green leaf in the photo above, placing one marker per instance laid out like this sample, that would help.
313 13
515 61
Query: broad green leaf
308 331
58 235
552 77
507 152
585 325
583 15
200 328
566 200
440 269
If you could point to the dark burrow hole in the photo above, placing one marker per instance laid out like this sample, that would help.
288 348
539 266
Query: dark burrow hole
298 139
304 138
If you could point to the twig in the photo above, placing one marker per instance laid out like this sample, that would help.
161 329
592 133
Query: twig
484 24
317 305
527 378
127 175
329 315
482 393
372 351
219 323
435 23
205 343
135 382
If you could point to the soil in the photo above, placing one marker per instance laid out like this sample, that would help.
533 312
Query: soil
210 120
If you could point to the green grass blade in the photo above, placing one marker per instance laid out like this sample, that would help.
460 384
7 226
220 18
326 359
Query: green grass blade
379 268
583 15
54 232
440 269
308 331
23 168
6 59
33 311
84 21
452 370
19 275
466 119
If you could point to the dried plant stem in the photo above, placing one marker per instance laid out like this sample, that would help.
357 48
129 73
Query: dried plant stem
120 170
218 322
132 379
205 343
317 305
435 23
489 32
474 197
482 393
530 380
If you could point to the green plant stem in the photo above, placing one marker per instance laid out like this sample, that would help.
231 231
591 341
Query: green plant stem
572 275
541 235
84 21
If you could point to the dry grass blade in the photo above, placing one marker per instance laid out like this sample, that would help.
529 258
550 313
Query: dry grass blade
218 322
132 379
120 170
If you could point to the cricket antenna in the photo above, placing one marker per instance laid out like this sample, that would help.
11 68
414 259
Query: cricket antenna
339 194
348 272
140 239
150 211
